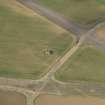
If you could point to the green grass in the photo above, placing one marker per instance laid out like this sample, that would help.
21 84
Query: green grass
83 12
101 1
23 43
87 64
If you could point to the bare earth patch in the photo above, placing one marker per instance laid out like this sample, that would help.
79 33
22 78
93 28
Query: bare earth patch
101 33
11 98
68 100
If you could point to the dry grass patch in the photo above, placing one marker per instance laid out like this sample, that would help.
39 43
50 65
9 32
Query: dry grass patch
16 6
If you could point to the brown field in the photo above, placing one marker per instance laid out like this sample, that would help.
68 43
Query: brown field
11 98
68 100
101 33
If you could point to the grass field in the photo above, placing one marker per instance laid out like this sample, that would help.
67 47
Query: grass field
11 98
68 100
84 12
24 41
87 64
